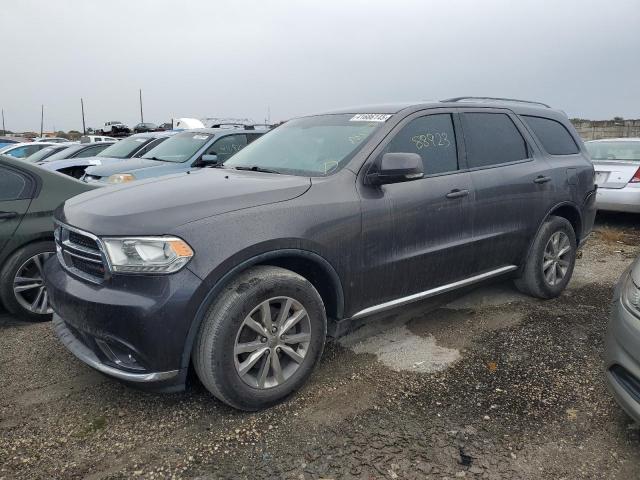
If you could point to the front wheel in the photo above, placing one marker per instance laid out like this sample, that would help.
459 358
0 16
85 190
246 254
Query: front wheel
261 339
551 260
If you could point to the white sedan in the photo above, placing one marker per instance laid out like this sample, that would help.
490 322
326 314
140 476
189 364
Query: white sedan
617 165
23 150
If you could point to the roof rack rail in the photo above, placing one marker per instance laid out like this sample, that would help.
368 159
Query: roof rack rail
246 126
500 99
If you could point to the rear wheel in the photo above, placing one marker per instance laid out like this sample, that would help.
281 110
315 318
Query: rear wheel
551 260
22 289
261 339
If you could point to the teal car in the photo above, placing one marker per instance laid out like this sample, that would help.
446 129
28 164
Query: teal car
28 196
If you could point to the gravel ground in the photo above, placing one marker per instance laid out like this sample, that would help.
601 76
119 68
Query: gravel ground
490 385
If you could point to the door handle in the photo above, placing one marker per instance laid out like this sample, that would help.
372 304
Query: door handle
456 193
8 215
541 179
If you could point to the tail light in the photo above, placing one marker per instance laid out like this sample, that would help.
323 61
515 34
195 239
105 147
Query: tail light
636 177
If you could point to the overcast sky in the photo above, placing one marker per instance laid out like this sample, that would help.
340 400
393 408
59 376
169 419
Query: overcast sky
203 58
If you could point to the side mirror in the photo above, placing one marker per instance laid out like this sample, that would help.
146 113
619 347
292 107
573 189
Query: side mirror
396 167
209 159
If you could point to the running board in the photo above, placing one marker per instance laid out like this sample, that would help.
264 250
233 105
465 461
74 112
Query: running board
433 292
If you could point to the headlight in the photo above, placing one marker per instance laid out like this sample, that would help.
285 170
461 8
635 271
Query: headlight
147 254
631 294
121 178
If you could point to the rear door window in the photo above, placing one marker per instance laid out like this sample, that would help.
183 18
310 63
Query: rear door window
492 139
554 136
433 138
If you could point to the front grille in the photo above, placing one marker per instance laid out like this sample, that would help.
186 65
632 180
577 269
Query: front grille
80 253
78 239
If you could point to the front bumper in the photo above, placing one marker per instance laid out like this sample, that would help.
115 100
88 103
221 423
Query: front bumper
622 356
133 328
83 353
625 199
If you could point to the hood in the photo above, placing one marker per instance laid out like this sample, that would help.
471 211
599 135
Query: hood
129 165
156 206
57 165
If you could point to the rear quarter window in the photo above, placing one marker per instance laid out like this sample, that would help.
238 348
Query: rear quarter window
554 137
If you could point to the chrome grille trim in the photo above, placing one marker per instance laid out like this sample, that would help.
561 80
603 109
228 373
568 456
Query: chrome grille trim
67 250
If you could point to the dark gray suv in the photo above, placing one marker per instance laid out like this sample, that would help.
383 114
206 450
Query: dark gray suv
242 269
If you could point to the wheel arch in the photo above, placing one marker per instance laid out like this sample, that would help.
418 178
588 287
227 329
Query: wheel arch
312 266
12 249
566 210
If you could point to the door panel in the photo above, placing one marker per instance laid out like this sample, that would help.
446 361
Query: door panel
512 184
418 234
11 214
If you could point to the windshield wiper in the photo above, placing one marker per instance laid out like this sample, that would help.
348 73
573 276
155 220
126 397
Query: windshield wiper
256 168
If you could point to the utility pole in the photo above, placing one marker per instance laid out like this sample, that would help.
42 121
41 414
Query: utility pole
141 115
84 129
4 130
41 119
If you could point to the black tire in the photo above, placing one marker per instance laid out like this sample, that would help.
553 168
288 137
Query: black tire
8 273
533 280
213 354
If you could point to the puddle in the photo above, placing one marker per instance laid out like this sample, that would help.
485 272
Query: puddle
400 349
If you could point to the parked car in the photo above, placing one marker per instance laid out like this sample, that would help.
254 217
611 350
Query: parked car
28 196
47 152
243 269
133 146
145 127
617 164
51 139
4 141
622 346
96 139
183 152
78 150
113 127
24 150
166 126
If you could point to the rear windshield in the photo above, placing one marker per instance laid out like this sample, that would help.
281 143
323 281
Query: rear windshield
614 150
124 148
179 148
45 153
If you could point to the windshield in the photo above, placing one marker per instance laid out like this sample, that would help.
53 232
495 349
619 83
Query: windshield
124 148
614 150
179 148
311 146
45 153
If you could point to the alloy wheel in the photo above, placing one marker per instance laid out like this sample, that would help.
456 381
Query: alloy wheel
28 285
272 342
557 258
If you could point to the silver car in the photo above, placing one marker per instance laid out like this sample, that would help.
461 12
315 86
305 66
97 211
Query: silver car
617 165
622 351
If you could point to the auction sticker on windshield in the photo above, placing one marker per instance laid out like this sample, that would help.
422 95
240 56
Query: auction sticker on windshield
370 117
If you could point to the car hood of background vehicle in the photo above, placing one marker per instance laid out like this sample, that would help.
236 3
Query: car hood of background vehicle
156 206
57 165
129 165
